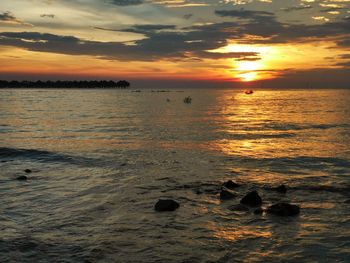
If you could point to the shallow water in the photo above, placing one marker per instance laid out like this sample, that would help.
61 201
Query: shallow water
102 158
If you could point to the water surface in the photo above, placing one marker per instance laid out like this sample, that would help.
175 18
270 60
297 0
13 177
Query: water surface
102 158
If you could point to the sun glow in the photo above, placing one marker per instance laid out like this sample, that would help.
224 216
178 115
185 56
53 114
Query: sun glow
270 61
248 70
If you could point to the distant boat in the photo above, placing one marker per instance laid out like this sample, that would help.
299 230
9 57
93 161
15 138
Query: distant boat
248 92
188 100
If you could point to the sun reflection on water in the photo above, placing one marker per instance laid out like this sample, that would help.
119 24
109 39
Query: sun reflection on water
235 233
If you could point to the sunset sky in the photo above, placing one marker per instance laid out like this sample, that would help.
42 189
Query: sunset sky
234 42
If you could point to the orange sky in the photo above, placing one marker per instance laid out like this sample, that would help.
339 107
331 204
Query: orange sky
230 41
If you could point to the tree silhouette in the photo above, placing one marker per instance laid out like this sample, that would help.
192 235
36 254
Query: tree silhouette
65 84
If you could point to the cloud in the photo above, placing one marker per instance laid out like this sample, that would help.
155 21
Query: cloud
246 14
126 2
171 42
296 8
166 46
47 15
187 16
8 17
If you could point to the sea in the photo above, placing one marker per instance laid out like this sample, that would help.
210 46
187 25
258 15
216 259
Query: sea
101 158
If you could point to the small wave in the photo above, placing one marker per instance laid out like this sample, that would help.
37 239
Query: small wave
300 162
298 127
45 156
257 136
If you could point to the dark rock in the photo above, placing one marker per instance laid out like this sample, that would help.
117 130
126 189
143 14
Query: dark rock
347 201
230 184
123 164
28 171
166 205
239 207
22 178
199 192
258 211
252 199
283 209
281 189
226 194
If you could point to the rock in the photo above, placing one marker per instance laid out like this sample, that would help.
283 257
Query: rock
283 209
281 189
230 184
199 192
239 207
166 205
347 201
226 194
252 199
123 164
22 178
28 171
258 211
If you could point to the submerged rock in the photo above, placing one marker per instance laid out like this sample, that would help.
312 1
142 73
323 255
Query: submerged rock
22 178
252 199
283 209
239 207
226 194
166 205
230 184
281 189
28 171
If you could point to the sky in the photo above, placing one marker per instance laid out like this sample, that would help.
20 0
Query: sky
232 43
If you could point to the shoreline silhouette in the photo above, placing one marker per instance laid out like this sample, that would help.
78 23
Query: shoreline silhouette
83 84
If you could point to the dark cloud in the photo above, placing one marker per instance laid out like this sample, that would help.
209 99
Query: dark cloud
187 16
170 46
239 56
47 15
171 43
9 17
126 2
332 9
344 64
142 28
139 28
345 56
259 16
265 25
296 8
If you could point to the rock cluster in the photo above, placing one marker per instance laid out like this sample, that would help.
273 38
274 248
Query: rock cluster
252 200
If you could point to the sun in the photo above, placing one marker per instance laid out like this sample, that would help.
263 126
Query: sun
251 68
249 76
247 70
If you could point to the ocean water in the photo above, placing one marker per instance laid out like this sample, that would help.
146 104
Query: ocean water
100 160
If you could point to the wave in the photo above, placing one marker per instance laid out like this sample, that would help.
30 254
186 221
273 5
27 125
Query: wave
45 156
299 162
298 127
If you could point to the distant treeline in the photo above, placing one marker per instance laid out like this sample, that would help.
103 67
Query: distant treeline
122 84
